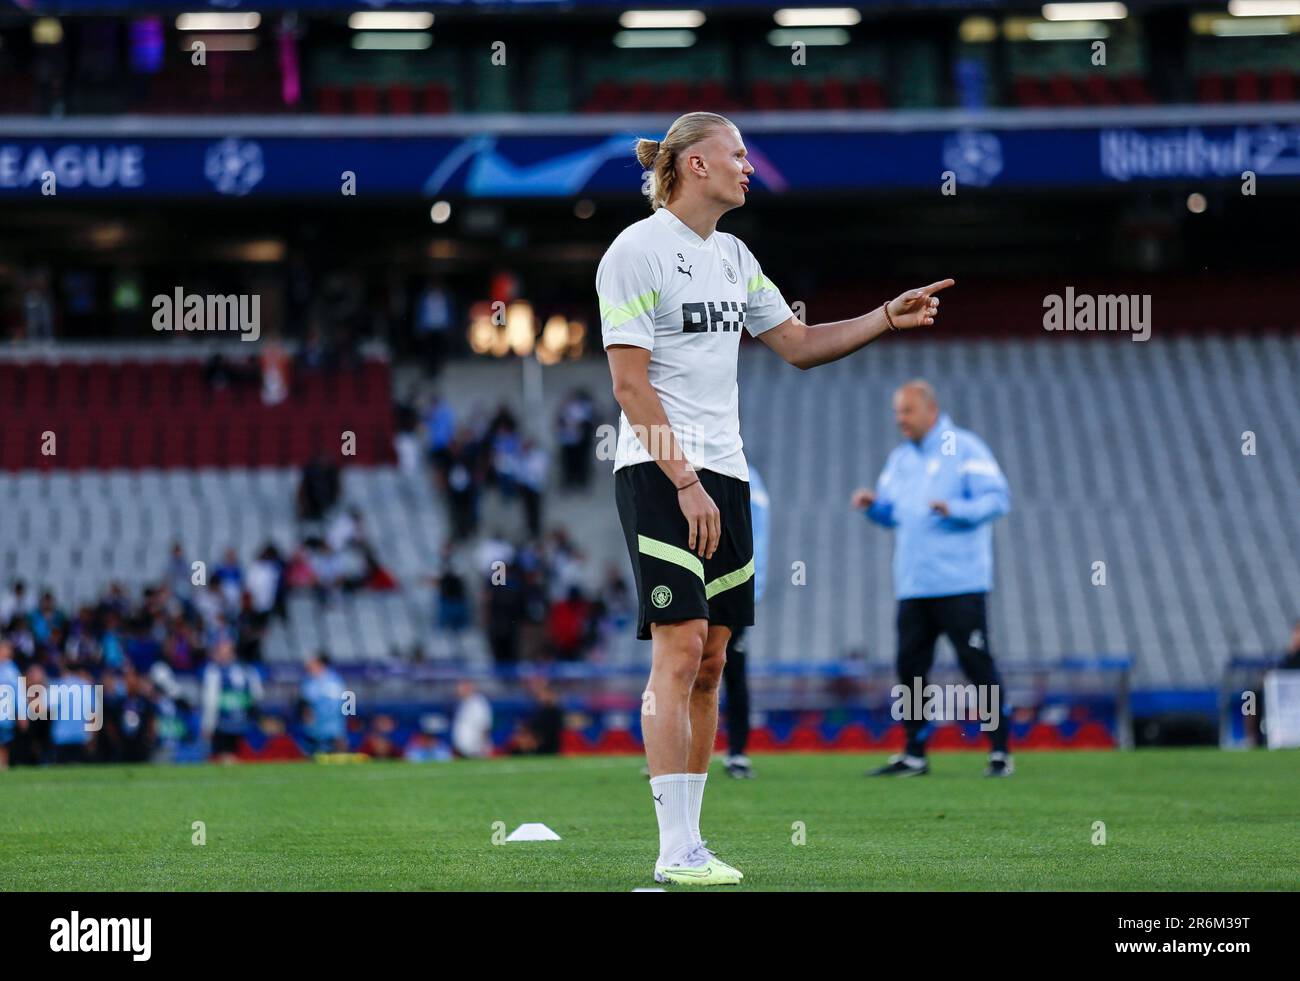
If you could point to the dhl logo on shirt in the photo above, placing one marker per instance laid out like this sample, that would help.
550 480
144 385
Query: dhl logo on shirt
709 316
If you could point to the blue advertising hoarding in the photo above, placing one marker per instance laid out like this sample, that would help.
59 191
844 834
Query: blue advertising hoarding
239 163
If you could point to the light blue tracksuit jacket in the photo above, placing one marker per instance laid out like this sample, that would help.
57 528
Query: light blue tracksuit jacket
934 555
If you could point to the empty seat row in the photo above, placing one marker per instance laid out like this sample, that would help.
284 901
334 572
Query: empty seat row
799 94
85 442
1248 86
1090 90
150 386
432 98
1129 455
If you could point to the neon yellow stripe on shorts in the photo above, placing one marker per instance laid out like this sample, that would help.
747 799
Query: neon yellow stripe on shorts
730 581
670 553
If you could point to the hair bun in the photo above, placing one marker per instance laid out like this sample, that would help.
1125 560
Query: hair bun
647 151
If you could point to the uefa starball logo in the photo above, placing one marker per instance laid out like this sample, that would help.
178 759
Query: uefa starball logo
974 156
234 166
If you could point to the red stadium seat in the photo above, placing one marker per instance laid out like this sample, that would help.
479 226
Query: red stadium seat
130 398
303 442
308 391
114 444
673 97
1246 86
365 100
162 386
151 414
603 97
835 94
189 392
1281 86
349 390
639 98
1062 91
70 385
206 444
714 94
143 447
38 388
1098 92
235 448
329 100
1134 91
1029 92
102 382
436 99
10 390
401 100
376 379
178 444
870 94
262 442
765 96
11 446
1210 88
799 95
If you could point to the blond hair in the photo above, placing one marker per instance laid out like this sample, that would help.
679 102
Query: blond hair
659 157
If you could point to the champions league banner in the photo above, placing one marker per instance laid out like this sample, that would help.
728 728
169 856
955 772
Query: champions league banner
519 166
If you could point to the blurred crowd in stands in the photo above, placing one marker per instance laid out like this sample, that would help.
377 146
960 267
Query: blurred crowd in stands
472 455
536 604
528 593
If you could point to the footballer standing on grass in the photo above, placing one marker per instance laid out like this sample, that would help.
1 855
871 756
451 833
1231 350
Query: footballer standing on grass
674 295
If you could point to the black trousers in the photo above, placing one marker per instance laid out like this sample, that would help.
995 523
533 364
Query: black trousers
737 682
962 619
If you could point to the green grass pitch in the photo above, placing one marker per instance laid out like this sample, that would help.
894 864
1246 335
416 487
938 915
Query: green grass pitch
1174 820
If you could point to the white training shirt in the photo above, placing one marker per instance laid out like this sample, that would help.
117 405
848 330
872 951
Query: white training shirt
685 299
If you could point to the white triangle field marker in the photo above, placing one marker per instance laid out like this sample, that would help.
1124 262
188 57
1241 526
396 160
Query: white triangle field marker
532 832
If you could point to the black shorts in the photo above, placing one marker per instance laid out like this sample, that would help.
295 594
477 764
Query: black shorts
673 583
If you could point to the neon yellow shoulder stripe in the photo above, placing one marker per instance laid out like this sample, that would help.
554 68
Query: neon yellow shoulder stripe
759 282
617 314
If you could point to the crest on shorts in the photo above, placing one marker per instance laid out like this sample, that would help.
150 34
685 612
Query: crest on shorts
661 596
731 273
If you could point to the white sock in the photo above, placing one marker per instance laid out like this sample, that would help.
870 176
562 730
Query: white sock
695 783
672 800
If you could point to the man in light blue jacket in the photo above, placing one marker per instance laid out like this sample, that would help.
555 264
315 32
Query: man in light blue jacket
940 491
